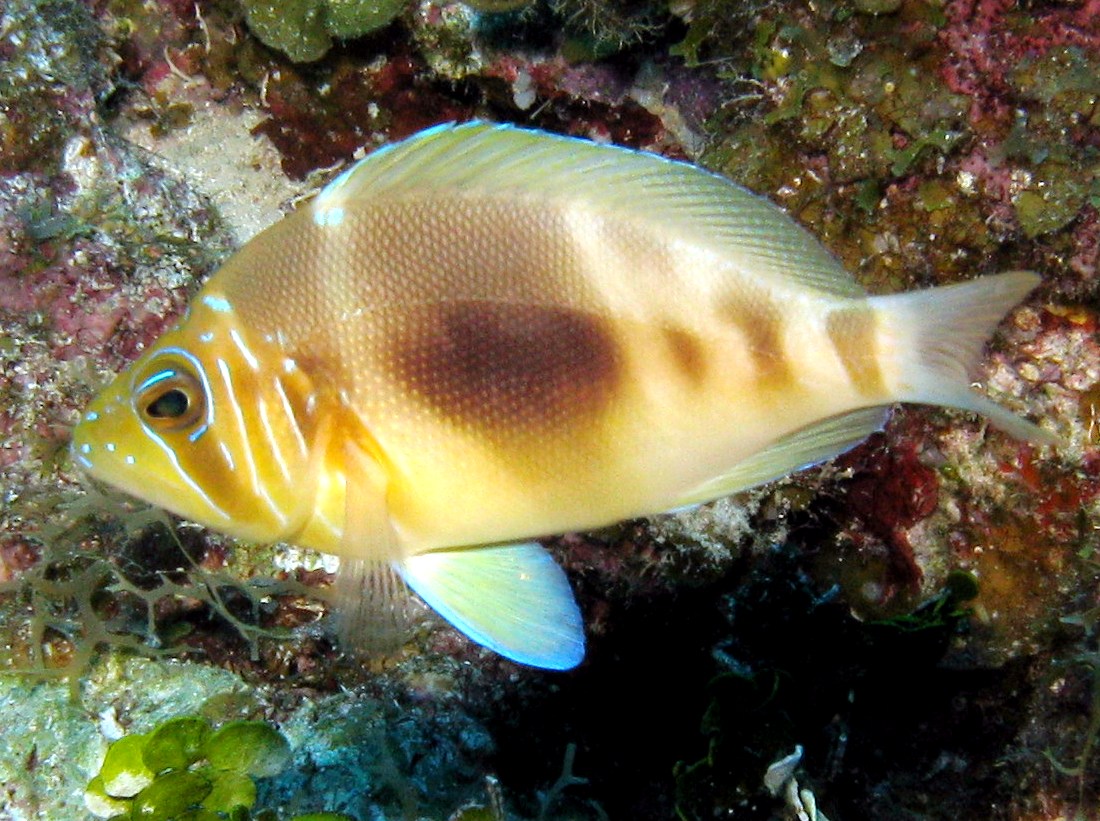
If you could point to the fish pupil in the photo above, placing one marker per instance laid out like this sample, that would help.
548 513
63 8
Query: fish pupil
172 404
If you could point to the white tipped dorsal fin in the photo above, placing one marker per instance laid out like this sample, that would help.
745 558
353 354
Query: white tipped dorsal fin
809 446
513 599
484 159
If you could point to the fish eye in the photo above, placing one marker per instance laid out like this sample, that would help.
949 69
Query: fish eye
172 404
170 399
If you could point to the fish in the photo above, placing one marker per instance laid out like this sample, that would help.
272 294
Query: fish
484 335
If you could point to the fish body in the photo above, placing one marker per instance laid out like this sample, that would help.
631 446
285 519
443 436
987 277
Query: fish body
484 335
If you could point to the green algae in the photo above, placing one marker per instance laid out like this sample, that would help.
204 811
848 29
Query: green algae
295 28
249 747
877 6
184 768
717 30
882 83
1089 661
1057 192
76 603
1063 78
170 795
598 29
848 134
937 195
245 767
304 30
100 803
1063 172
53 745
347 19
856 110
124 773
176 744
230 791
496 6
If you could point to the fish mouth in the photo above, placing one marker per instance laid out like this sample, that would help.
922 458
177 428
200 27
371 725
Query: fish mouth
105 445
93 448
97 449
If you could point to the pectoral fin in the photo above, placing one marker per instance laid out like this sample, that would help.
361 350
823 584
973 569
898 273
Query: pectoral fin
513 599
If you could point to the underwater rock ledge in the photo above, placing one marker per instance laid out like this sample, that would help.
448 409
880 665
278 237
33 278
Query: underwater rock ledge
924 142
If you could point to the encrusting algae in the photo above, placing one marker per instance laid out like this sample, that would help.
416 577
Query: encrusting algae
483 335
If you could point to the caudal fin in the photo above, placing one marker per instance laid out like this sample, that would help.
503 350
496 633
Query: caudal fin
940 336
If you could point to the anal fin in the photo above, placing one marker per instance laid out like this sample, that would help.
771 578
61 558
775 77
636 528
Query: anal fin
805 447
512 599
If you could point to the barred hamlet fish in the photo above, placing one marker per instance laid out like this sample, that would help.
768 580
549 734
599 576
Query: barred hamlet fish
483 335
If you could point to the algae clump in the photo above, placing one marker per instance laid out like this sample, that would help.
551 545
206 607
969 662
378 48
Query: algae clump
304 29
186 769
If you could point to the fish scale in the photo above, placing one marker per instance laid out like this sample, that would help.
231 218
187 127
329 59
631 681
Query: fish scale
483 335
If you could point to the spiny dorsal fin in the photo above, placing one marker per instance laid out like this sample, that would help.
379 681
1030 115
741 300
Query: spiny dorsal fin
498 160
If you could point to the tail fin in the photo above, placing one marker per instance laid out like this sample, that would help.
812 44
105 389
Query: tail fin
941 333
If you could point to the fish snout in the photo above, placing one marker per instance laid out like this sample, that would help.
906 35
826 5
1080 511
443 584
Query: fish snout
95 439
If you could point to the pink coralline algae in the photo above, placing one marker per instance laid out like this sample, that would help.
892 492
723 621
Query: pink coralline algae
97 249
70 286
987 39
69 311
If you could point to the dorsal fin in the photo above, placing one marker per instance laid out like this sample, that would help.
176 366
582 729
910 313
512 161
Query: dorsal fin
498 160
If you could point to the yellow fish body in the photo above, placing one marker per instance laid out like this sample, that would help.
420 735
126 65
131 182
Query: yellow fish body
482 335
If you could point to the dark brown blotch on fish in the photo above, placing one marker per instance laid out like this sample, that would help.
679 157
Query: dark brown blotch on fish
501 368
687 353
759 321
852 332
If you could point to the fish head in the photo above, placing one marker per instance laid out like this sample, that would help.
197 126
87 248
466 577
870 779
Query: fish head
212 423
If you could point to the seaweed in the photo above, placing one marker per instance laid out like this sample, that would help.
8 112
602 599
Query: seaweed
78 600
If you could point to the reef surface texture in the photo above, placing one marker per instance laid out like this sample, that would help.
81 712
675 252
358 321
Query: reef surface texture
919 619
